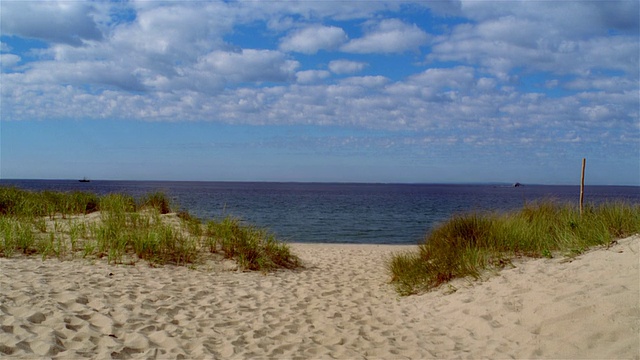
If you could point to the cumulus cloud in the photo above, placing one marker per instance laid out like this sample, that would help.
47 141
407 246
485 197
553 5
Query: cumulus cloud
574 18
459 77
560 37
346 66
607 83
366 81
56 21
163 37
486 83
311 76
283 12
249 65
313 39
388 36
182 60
8 61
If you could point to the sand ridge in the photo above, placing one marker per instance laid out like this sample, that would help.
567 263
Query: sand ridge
339 306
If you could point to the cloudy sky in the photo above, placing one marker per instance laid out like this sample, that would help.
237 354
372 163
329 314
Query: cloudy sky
346 91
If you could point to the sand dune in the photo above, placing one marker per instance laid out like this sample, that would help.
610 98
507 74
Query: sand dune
340 306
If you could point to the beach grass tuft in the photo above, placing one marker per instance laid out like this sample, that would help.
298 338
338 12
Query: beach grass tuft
54 224
253 248
156 200
468 244
17 202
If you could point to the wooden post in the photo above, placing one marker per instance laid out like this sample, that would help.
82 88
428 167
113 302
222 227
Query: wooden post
584 163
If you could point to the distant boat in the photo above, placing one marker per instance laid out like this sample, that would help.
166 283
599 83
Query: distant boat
517 184
84 180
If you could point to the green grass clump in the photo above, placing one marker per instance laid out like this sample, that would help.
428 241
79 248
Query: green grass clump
21 203
16 236
253 248
467 244
158 201
53 224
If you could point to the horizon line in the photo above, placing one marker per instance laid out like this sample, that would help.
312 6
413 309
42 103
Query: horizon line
501 183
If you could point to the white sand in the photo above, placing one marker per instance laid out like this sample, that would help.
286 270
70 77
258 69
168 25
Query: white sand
341 306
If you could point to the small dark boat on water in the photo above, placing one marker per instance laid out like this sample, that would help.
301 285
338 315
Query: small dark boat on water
84 180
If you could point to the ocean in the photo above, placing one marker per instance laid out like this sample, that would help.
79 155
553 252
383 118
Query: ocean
340 212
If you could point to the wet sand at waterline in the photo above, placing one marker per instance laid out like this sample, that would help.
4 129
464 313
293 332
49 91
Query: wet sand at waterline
339 306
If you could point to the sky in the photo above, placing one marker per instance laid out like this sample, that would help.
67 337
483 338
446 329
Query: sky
321 91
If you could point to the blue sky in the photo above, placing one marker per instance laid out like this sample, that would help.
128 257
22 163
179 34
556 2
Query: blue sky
347 91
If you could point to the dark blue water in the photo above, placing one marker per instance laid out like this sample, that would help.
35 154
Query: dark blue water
340 213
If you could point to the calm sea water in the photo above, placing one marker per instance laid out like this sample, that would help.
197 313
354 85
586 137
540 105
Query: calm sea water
340 213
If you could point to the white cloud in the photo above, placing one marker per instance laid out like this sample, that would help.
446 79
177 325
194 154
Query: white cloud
313 39
8 61
318 10
550 84
499 57
451 78
559 37
597 112
388 36
471 112
55 21
180 61
346 66
311 76
249 65
89 75
178 33
574 18
608 83
366 81
486 83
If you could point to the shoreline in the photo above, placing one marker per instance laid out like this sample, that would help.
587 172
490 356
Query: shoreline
340 305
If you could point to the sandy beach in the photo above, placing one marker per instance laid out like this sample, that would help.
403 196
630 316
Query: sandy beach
339 306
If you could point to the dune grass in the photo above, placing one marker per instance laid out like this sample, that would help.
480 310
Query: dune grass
254 248
20 203
54 224
466 245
